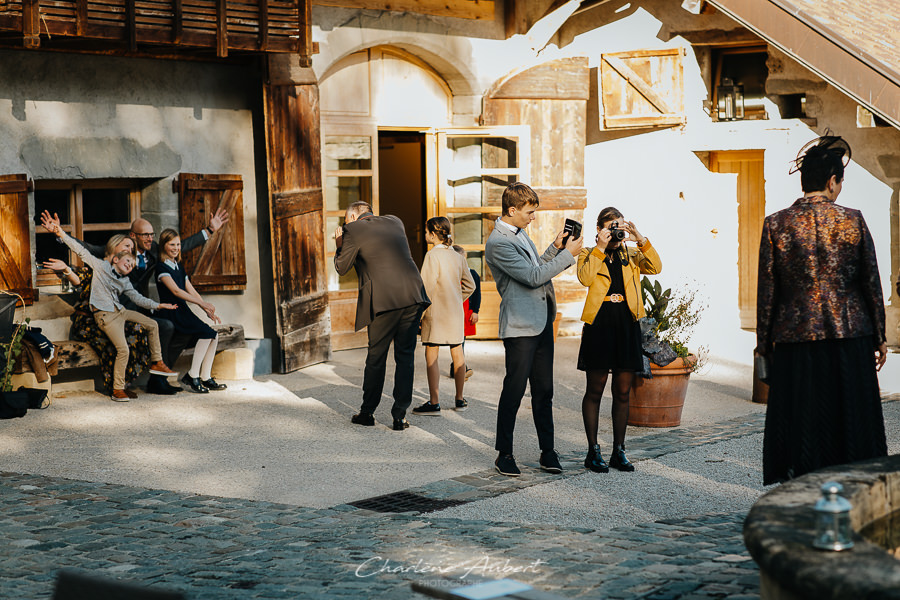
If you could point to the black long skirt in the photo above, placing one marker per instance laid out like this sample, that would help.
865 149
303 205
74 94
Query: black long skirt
824 407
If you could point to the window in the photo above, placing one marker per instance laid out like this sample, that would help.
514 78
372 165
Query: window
90 210
350 176
475 166
745 67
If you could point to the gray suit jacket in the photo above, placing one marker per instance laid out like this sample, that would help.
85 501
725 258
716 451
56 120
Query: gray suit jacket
388 278
525 289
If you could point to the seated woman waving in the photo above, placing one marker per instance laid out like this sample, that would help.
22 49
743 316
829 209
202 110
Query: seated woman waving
173 284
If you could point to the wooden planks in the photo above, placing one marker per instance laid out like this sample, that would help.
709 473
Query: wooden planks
293 148
221 264
482 10
16 262
642 88
219 25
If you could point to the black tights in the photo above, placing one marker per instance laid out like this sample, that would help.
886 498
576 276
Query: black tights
590 405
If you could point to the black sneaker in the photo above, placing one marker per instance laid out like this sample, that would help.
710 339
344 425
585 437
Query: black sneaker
400 424
506 465
428 408
362 418
550 462
461 405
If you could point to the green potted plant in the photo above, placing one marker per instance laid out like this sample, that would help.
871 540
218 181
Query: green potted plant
658 401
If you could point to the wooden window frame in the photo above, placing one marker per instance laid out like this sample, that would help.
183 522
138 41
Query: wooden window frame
520 133
76 226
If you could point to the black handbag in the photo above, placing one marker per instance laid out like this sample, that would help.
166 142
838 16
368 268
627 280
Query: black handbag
13 404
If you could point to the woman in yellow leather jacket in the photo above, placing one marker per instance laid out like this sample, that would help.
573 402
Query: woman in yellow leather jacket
611 338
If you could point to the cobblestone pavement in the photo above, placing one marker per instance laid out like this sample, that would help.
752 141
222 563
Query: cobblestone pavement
222 548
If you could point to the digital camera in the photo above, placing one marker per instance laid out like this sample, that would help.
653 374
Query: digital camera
616 233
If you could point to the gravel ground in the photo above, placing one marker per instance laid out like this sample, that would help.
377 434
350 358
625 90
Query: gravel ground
721 477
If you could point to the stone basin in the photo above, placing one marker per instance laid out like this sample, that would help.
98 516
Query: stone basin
780 528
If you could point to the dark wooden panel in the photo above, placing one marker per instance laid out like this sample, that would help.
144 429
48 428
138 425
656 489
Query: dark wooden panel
298 244
16 262
286 204
220 265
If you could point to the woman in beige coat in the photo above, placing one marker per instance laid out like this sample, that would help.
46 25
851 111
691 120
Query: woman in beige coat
448 283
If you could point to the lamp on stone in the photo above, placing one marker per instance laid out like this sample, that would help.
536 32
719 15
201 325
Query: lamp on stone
730 101
833 519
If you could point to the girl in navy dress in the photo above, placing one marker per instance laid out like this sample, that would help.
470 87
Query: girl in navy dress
172 283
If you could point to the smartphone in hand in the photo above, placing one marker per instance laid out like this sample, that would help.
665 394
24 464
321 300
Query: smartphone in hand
572 230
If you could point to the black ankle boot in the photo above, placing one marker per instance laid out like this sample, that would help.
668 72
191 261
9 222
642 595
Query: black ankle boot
594 460
618 460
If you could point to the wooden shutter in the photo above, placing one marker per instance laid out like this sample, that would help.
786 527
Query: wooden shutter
642 88
297 217
219 266
16 264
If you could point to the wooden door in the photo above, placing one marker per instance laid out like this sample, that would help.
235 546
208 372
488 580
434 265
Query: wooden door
751 207
298 246
16 265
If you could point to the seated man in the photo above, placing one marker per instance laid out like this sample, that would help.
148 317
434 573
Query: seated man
146 259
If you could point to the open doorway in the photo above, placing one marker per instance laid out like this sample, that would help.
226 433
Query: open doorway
401 191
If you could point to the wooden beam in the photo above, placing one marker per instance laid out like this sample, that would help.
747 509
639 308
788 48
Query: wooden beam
178 21
304 28
461 9
221 28
131 24
31 25
264 23
81 15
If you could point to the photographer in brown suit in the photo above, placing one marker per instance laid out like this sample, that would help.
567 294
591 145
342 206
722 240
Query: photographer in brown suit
391 301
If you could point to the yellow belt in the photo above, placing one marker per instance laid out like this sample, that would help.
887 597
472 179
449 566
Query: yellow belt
615 298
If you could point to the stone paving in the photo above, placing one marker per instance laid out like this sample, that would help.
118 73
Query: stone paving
223 548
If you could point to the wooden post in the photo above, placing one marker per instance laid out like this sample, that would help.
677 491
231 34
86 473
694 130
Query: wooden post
221 28
31 23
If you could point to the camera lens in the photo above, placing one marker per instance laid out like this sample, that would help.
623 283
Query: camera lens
618 234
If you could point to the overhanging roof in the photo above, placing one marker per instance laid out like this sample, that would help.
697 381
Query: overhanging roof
853 45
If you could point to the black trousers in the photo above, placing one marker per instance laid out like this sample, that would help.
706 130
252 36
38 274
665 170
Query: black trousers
400 327
528 360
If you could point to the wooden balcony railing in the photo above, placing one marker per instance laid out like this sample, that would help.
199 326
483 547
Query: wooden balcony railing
222 26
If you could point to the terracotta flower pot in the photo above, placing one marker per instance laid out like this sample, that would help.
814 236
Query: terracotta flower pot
658 402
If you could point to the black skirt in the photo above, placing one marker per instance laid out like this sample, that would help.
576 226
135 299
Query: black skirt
612 342
824 407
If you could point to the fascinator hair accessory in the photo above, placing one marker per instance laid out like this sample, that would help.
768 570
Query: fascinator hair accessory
825 148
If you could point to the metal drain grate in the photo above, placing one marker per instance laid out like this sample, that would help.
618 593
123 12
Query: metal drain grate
399 502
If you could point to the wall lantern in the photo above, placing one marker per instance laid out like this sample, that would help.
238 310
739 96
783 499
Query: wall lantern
832 519
731 101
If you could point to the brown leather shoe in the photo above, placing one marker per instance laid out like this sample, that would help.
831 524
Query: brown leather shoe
160 368
119 396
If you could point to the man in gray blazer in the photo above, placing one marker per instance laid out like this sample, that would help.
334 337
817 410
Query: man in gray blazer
391 301
527 312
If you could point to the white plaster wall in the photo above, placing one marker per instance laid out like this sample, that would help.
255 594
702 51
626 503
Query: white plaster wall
658 178
86 117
